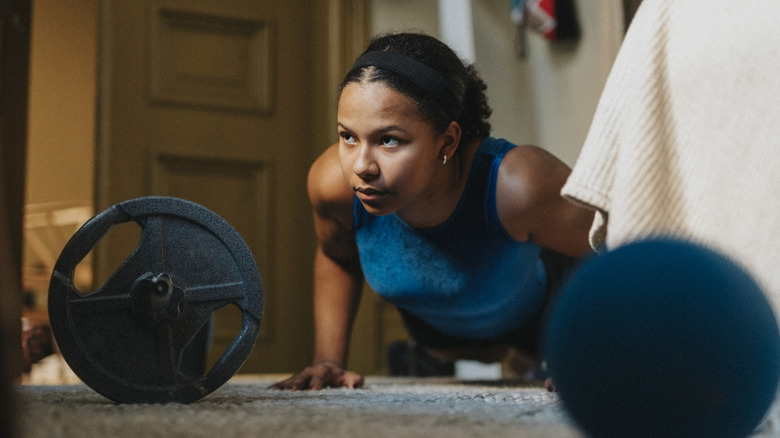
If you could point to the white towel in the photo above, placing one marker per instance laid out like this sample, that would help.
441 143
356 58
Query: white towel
686 137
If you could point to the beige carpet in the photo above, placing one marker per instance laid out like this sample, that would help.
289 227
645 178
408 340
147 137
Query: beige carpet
243 407
386 407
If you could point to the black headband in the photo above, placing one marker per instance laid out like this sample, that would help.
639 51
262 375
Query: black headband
425 77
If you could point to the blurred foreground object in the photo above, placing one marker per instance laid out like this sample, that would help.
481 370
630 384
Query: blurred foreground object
663 338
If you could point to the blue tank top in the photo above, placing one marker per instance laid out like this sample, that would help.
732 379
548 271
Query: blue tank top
467 277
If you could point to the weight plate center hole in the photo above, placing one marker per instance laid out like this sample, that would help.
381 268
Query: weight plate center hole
157 298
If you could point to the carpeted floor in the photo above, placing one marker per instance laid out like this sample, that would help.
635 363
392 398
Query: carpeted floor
386 407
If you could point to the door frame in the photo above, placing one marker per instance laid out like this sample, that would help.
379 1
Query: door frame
15 25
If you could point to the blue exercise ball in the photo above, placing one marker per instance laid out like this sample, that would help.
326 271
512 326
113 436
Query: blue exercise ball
663 338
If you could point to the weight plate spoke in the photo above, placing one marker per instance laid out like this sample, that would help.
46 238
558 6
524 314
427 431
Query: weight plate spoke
216 292
166 355
100 304
136 338
152 243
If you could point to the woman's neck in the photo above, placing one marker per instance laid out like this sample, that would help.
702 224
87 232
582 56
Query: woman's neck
445 194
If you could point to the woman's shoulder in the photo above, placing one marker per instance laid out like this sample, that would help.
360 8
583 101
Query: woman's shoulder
329 192
516 154
529 164
529 181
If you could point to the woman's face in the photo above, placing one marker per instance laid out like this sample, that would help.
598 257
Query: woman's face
388 154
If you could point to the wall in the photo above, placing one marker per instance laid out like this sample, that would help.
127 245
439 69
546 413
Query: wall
546 98
566 82
61 125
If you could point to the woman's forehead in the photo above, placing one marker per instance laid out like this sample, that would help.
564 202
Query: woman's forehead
375 100
376 91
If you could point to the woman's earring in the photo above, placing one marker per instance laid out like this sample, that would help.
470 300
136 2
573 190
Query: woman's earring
444 160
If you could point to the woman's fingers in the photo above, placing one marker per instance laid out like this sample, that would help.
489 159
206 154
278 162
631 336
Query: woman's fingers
352 380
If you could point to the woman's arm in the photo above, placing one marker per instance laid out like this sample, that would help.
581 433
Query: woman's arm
338 279
530 205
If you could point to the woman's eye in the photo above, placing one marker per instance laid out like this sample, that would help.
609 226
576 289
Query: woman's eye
388 141
347 137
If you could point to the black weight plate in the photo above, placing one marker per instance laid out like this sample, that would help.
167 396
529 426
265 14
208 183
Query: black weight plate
125 340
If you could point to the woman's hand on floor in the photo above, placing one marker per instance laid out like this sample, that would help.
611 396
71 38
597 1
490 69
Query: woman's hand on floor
321 375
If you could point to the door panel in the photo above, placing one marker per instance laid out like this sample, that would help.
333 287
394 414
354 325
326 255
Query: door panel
197 102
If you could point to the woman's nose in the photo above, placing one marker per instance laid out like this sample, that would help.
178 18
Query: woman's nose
364 164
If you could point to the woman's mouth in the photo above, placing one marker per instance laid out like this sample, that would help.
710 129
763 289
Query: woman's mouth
368 193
